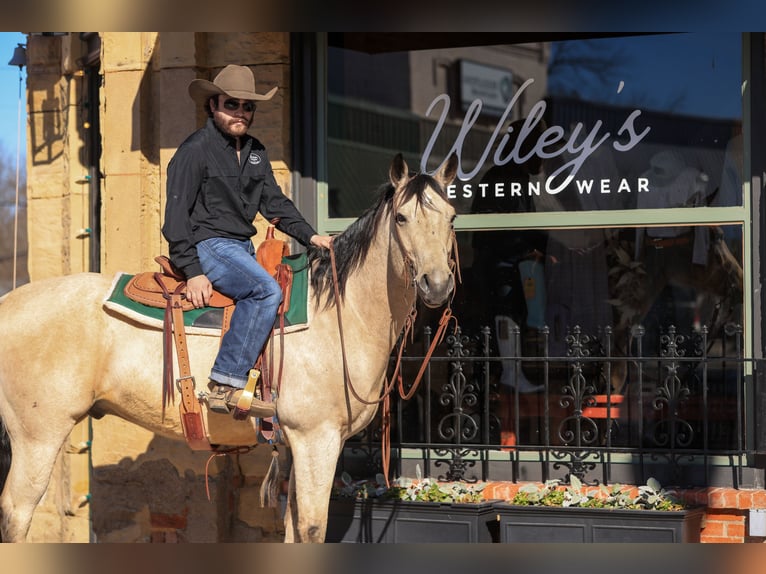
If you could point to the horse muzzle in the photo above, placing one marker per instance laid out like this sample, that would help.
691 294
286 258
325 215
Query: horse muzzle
435 288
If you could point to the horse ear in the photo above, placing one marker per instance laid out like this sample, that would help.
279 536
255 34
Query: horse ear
398 171
448 171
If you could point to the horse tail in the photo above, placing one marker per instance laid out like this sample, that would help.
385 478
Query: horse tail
5 460
5 447
5 455
5 443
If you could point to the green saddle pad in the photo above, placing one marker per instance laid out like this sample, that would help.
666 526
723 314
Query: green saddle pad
210 317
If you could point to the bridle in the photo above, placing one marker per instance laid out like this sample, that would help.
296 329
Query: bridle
407 331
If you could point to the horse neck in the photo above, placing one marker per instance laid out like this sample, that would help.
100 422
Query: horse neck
378 290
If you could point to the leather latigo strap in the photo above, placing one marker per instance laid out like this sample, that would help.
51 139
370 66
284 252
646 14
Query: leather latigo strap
192 422
168 386
191 412
283 274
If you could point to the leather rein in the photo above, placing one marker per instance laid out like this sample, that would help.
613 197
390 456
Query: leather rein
409 323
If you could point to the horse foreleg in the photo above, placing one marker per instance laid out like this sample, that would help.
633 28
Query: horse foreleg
32 462
315 458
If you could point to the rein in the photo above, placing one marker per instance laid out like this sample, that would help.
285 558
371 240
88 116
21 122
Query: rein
409 323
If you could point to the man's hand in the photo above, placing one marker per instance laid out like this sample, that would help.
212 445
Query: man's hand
199 290
323 241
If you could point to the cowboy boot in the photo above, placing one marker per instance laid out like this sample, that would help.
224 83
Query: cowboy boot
506 344
223 399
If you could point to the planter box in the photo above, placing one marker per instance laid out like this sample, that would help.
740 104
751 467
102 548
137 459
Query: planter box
397 521
555 524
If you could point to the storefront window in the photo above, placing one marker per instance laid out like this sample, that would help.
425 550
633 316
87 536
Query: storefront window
647 122
583 165
557 141
602 278
604 211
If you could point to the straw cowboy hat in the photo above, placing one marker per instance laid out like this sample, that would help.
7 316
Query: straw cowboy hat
234 81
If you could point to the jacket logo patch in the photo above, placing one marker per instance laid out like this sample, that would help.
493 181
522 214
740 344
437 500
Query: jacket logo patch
254 158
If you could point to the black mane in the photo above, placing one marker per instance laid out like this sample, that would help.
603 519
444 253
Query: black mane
351 246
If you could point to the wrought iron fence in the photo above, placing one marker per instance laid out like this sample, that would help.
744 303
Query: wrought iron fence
681 414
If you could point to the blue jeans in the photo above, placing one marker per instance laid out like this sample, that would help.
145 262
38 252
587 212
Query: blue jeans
231 267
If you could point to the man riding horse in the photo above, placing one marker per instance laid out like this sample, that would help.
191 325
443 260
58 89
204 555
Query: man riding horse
219 179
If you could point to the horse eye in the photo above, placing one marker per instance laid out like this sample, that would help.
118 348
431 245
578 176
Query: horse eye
401 219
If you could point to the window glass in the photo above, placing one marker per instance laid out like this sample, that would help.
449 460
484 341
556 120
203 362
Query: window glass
543 293
603 278
583 165
648 121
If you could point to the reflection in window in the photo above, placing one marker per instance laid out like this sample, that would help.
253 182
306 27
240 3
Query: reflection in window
540 301
645 122
642 121
597 278
543 293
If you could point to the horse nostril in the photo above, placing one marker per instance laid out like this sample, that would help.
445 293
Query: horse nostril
428 286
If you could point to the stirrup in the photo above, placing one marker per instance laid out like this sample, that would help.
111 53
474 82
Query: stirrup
246 398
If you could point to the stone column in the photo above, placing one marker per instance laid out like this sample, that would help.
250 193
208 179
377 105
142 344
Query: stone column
57 212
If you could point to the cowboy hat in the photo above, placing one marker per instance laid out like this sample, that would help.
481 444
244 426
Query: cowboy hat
234 81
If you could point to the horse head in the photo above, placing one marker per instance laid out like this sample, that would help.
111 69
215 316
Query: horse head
422 222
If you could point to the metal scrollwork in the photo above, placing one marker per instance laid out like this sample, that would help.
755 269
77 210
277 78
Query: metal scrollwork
457 464
578 393
671 394
460 394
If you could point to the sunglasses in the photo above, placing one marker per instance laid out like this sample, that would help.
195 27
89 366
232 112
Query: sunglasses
234 105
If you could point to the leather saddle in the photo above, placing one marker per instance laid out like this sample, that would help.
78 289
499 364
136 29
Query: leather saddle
152 288
166 289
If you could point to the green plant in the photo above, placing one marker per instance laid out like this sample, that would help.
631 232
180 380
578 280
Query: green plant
650 496
429 490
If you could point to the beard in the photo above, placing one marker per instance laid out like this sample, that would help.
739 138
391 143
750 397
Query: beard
232 126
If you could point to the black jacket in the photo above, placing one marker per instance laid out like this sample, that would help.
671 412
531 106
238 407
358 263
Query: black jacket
209 195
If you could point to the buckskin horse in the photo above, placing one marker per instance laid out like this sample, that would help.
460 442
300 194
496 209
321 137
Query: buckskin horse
63 356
